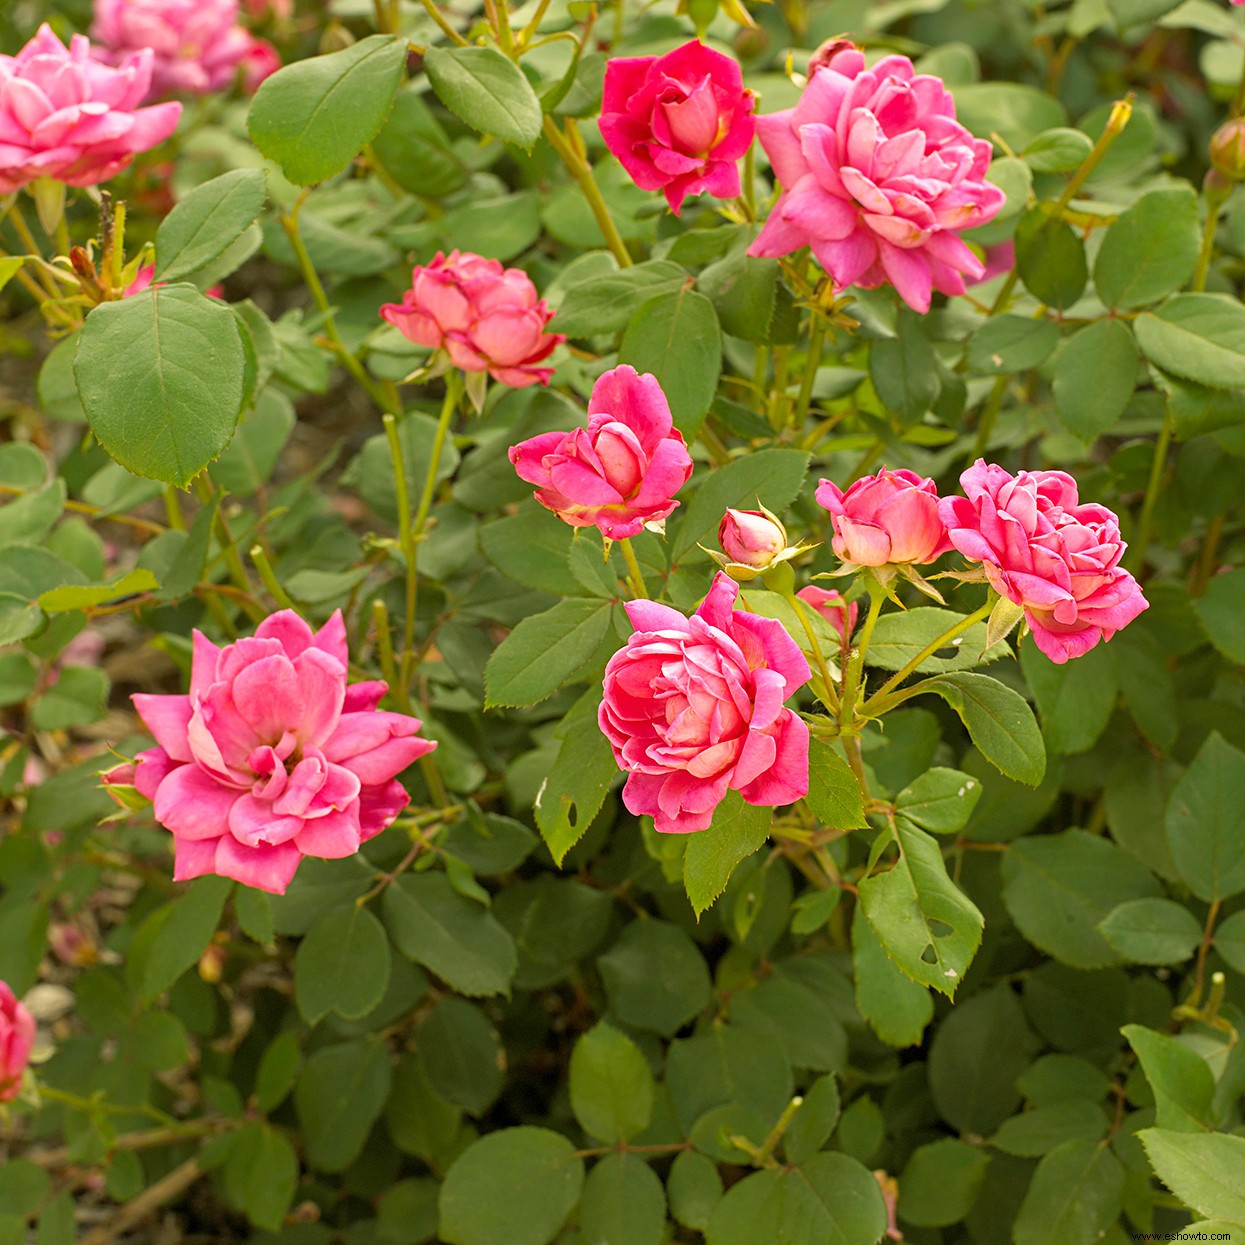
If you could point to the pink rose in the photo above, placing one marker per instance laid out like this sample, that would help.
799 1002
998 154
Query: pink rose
878 178
620 473
680 122
196 45
485 317
142 279
1000 258
17 1039
891 517
693 708
271 757
67 116
751 538
261 61
832 607
1043 550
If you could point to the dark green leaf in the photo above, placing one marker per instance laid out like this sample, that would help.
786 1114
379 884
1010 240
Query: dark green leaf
1050 259
1205 821
654 977
207 222
1011 344
1221 611
174 936
1152 931
611 1085
342 965
487 90
738 829
340 1095
904 369
1198 336
1076 1194
896 1007
940 1182
604 304
1150 250
940 800
814 1120
462 1054
1095 375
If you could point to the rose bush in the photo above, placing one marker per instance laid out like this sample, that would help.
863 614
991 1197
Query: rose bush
567 675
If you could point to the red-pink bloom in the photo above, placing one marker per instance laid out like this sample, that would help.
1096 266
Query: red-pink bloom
693 708
891 517
70 117
485 317
271 757
197 46
620 473
17 1040
678 123
878 178
1043 550
832 607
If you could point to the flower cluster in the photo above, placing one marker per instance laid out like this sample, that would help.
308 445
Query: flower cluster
271 756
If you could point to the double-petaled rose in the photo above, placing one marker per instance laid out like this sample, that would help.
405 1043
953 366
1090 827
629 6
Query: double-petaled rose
621 472
678 123
693 708
878 178
887 519
485 318
1045 551
271 756
67 116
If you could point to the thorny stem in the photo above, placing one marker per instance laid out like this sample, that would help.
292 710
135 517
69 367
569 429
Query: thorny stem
568 146
635 576
851 681
206 492
270 580
816 340
801 612
1158 469
446 29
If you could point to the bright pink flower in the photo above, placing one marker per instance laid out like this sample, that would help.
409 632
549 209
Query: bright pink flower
1043 550
1000 258
68 116
694 707
891 517
271 757
485 317
832 607
751 538
678 123
142 280
261 61
878 178
17 1039
196 45
620 473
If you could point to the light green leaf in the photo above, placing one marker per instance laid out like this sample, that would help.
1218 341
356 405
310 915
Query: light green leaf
174 936
207 222
1150 250
940 800
1198 336
834 795
72 597
611 1085
487 90
694 1189
899 637
1095 375
1204 1170
1181 1079
314 116
738 829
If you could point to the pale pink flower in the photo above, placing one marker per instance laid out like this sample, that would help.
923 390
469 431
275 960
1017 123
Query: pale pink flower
486 318
751 538
197 46
272 757
678 123
620 473
693 708
890 518
17 1040
70 117
1043 550
878 179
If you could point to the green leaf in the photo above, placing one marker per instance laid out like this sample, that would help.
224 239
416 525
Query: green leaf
829 1200
1058 887
516 1185
58 1222
611 1085
743 291
28 519
904 369
207 222
581 776
340 1095
999 721
9 267
927 925
371 475
1015 111
487 90
406 1213
1198 336
419 1120
342 965
1202 1169
774 475
78 697
314 116
278 1070
1205 821
896 1008
1011 344
1183 1084
177 558
1095 375
604 304
1150 250
738 829
1062 1078
1152 931
654 977
262 1171
454 937
163 378
623 1203
940 800
1230 941
1221 611
462 1054
1076 700
814 1120
694 1189
940 1182
834 795
251 457
415 151
900 636
545 651
727 1064
1057 151
676 337
174 936
73 597
531 547
1075 1196
1037 1132
1050 258
23 1187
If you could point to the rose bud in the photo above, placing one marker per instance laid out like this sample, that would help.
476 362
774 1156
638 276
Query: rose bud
751 538
832 607
1227 149
17 1039
887 519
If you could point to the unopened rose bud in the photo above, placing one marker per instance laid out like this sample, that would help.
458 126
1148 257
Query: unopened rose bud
832 607
119 783
751 538
1227 149
827 51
